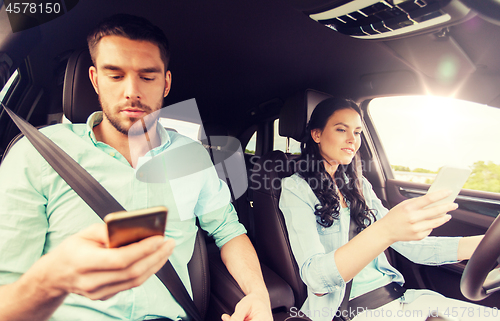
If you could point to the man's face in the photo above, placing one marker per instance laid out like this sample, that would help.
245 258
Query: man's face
130 79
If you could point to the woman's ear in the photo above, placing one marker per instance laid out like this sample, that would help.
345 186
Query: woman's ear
316 134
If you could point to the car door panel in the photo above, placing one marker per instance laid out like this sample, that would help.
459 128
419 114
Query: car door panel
473 217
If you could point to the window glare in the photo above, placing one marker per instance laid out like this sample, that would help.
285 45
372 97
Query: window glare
252 143
280 142
420 134
185 128
9 83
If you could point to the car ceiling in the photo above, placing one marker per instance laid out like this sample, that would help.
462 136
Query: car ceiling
239 58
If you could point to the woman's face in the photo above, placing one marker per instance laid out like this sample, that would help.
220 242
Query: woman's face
339 141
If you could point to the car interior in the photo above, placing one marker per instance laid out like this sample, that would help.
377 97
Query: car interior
257 69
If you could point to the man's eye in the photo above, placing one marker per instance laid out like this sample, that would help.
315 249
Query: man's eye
148 78
115 77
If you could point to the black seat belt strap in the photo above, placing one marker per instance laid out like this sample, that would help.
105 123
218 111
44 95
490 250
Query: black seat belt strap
99 199
344 312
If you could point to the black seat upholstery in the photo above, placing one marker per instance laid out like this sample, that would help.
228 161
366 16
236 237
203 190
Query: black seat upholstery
79 97
228 158
272 241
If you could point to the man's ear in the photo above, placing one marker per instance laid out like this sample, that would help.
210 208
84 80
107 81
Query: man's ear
315 134
168 82
93 78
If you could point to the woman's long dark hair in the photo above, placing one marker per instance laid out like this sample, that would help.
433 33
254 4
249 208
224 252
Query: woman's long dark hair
347 178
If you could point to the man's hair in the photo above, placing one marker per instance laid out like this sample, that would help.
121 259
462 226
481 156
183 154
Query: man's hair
130 27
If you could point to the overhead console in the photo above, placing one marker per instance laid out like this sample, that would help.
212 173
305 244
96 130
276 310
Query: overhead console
375 19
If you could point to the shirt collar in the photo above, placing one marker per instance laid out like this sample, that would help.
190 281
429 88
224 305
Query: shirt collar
96 118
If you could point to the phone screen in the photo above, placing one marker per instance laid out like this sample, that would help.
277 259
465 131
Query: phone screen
128 227
449 178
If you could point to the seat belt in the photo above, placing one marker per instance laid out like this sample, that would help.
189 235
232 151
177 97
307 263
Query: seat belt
99 199
344 305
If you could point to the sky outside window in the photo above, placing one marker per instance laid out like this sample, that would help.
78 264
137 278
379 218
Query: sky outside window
430 132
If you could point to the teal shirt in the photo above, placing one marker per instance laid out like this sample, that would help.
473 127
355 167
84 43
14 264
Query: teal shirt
39 210
370 277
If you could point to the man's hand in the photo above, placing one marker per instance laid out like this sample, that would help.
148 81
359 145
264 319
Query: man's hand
251 307
83 265
241 261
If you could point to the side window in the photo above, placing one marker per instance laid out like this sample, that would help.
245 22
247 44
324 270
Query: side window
7 86
251 145
420 134
279 143
185 128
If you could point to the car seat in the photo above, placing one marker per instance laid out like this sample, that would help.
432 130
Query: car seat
272 243
227 156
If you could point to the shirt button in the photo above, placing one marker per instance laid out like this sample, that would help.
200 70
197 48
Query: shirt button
141 174
323 228
112 154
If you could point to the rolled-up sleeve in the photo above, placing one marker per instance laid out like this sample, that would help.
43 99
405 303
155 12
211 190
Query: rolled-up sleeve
214 210
317 265
22 215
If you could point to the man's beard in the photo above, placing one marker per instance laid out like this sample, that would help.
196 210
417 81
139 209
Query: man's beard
134 130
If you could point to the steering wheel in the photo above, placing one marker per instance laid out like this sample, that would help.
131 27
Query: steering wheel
477 281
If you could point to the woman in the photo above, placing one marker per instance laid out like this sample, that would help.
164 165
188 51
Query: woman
319 200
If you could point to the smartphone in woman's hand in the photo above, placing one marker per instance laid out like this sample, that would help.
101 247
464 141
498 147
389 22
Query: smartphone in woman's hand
449 178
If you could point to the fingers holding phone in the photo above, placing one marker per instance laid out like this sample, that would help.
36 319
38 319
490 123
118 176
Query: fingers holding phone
450 179
415 218
138 248
83 263
126 267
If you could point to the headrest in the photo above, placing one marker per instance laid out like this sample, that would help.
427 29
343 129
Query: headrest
214 134
296 112
79 97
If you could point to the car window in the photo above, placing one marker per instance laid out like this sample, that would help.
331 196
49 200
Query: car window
251 145
185 128
420 134
279 142
10 82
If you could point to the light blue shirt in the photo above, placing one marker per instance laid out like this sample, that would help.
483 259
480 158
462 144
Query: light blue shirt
39 210
369 278
314 247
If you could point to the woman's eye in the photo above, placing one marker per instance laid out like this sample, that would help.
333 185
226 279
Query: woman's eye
357 133
340 130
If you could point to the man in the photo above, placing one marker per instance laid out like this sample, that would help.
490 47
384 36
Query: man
55 264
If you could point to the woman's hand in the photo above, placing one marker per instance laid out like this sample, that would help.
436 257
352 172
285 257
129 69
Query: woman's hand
408 221
411 221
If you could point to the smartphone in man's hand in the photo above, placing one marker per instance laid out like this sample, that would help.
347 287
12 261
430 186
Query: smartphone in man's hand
449 178
128 227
